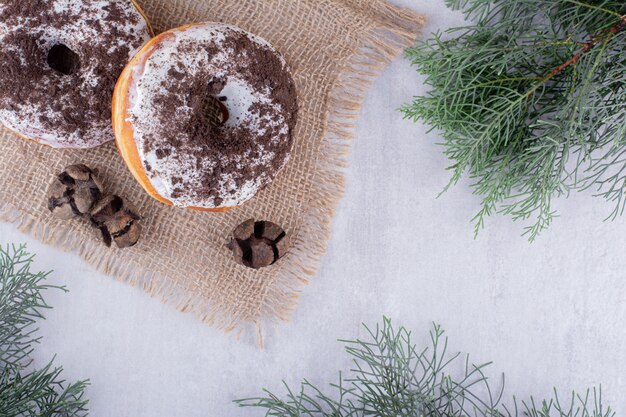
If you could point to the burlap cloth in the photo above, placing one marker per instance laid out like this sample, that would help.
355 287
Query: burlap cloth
335 48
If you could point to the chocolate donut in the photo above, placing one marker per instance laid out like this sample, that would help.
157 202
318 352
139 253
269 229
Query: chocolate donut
204 116
60 61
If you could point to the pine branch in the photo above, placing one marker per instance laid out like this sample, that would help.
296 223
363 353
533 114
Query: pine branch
531 102
26 392
392 378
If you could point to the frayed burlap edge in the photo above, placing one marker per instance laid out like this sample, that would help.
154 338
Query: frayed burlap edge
378 49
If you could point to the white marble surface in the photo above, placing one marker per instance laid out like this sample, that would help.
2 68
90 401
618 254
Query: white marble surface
548 313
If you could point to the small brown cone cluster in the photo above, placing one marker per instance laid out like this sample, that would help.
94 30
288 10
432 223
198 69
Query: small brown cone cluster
78 192
73 192
117 220
258 244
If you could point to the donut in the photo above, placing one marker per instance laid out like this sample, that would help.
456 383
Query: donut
204 116
60 62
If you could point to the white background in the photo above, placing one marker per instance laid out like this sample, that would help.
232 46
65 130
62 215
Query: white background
548 314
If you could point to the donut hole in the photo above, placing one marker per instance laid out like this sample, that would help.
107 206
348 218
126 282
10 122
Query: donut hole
214 112
62 59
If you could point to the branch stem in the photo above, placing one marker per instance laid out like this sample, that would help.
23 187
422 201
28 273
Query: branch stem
595 41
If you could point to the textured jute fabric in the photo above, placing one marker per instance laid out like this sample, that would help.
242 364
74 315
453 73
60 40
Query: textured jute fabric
335 49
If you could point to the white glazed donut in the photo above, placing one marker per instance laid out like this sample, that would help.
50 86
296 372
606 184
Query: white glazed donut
60 61
204 116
